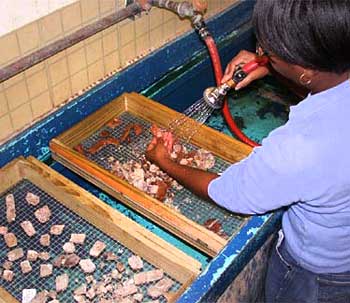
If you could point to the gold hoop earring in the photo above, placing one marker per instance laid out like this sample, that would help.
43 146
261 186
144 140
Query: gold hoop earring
303 80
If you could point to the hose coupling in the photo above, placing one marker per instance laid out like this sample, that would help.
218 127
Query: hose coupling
199 25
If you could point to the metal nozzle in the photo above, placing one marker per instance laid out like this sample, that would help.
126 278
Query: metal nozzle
213 98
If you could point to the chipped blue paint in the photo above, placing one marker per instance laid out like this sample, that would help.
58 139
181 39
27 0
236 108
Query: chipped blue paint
253 231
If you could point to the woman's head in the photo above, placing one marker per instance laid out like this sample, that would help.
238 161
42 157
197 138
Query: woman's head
313 34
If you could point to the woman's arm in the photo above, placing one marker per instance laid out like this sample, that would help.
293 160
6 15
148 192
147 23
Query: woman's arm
194 179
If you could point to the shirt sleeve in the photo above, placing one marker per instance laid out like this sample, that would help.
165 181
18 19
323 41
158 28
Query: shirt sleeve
272 176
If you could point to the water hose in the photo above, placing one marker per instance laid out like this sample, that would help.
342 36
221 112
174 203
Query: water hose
195 13
215 58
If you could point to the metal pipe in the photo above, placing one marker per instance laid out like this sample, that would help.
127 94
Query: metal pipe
183 9
68 41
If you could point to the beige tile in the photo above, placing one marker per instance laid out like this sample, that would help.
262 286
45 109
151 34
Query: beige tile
182 25
58 71
16 95
169 30
79 81
107 6
71 17
21 116
95 71
59 56
3 105
50 27
168 15
127 53
108 30
28 37
156 37
75 47
213 6
77 61
94 51
89 10
142 44
34 69
156 18
126 32
142 25
13 80
41 104
37 84
111 62
110 42
61 92
120 4
9 48
93 38
5 126
228 3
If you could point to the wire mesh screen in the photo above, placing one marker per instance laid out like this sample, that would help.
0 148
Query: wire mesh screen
73 224
188 204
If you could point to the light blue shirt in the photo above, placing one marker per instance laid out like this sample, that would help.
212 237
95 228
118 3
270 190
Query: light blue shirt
305 165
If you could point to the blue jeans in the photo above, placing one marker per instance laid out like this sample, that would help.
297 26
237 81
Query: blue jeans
286 281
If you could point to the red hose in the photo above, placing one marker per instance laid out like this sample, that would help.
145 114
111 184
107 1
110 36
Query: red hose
215 58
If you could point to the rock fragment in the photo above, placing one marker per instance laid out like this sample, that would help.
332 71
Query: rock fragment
7 265
25 267
8 275
32 255
87 265
57 229
69 247
81 290
45 270
3 230
10 240
40 297
125 290
160 288
67 261
45 240
91 293
43 214
77 238
28 294
97 248
62 282
44 255
10 208
148 276
138 297
32 199
120 267
135 262
15 254
28 228
110 256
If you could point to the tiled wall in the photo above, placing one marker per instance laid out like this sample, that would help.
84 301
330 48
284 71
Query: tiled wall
34 93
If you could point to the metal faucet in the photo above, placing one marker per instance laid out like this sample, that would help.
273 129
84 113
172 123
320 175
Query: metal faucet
183 9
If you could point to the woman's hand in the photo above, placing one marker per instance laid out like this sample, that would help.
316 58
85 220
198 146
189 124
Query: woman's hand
242 58
157 152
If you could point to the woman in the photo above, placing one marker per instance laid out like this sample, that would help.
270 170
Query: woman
304 164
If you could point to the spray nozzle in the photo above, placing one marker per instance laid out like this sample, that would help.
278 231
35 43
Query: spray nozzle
214 96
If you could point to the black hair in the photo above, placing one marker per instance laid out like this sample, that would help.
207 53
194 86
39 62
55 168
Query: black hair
314 34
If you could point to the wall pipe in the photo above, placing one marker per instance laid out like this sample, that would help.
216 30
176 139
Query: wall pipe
68 41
